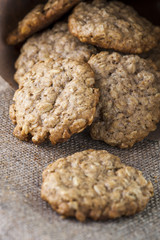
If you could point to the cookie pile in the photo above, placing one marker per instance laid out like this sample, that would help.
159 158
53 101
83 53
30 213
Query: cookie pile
101 68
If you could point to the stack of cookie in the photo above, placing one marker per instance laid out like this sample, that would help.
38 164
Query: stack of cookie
129 86
102 68
128 107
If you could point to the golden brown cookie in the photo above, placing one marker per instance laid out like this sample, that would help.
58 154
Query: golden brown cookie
113 25
54 43
40 17
55 100
94 184
129 106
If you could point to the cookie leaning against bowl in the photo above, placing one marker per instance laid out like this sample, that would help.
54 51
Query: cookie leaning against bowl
40 17
94 184
113 25
56 42
55 100
129 106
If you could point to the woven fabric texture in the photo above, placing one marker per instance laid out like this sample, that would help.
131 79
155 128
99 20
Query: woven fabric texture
23 215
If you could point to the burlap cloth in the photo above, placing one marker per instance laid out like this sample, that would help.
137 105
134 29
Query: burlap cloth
24 216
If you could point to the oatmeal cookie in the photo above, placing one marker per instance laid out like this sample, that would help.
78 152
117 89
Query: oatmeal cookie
55 100
54 43
129 106
94 184
113 25
153 55
40 17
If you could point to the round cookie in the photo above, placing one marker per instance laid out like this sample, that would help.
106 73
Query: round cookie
94 184
129 106
113 25
56 42
38 18
153 55
50 101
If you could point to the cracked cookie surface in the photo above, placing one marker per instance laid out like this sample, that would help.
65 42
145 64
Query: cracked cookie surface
129 106
55 100
113 25
38 18
54 43
94 184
